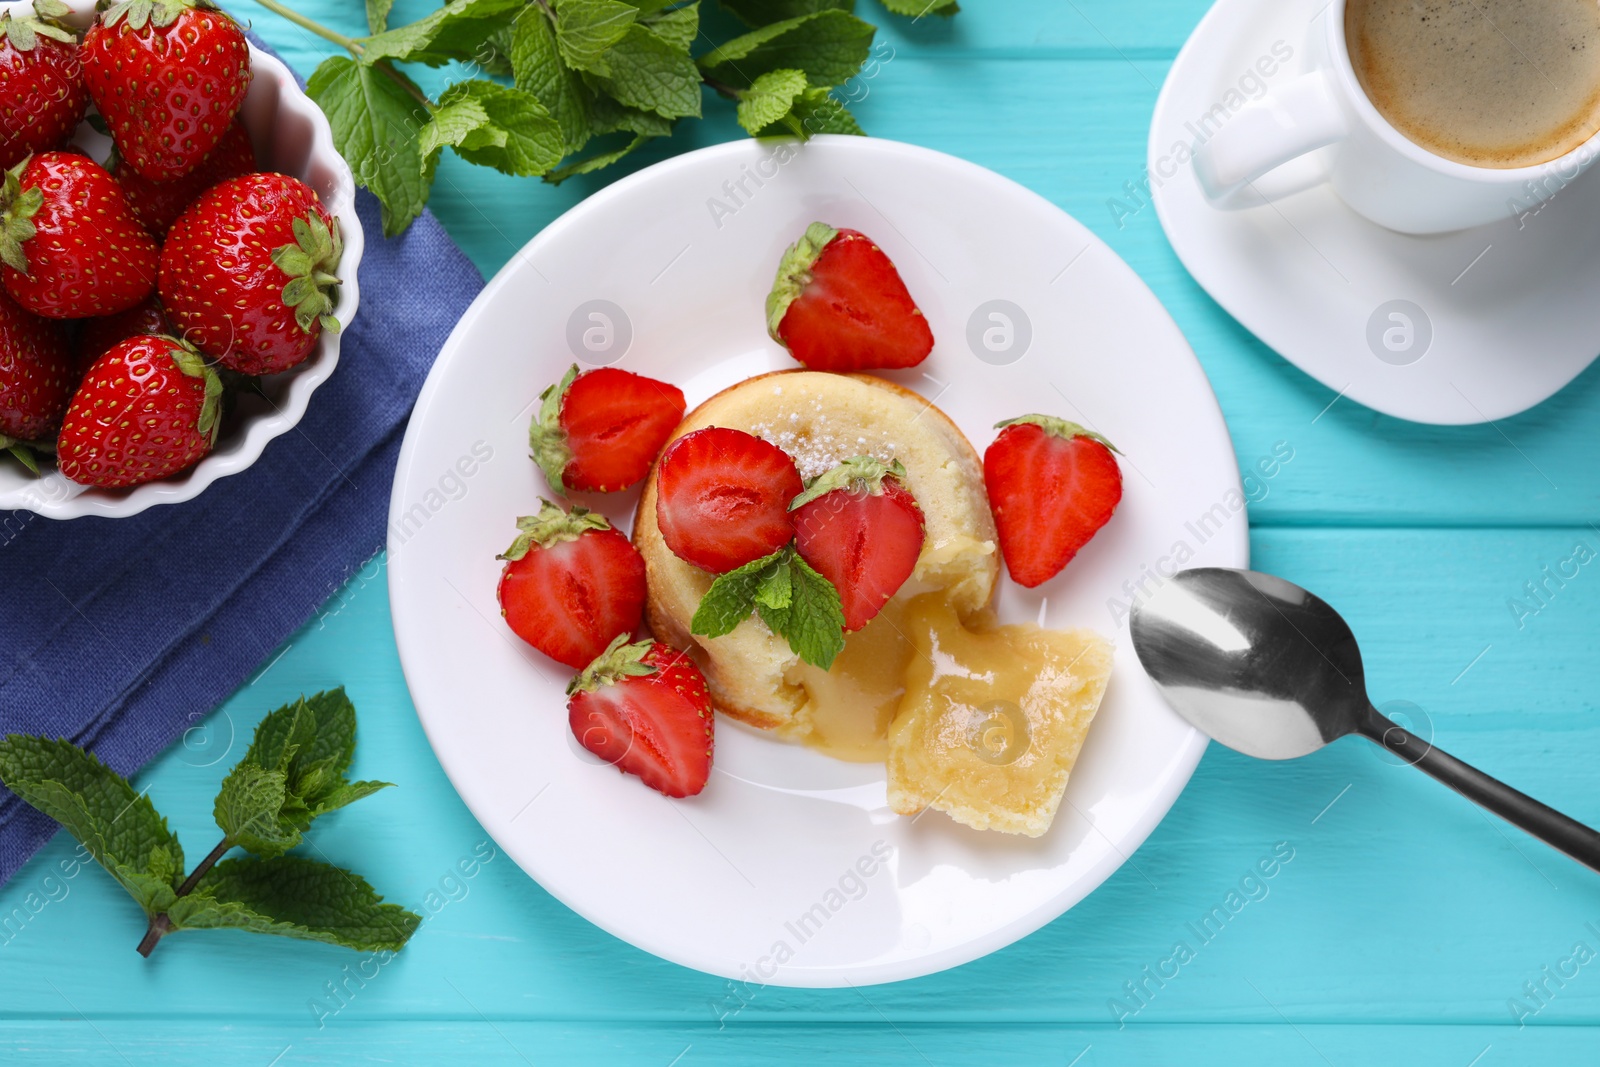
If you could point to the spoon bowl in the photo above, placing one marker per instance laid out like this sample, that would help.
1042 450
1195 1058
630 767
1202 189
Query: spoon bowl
1217 642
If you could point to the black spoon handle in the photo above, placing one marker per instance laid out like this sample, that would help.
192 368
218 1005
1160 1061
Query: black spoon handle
1519 809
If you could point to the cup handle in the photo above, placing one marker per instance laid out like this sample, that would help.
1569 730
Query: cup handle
1281 126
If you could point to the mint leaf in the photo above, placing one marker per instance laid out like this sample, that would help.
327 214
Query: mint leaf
818 111
375 123
280 735
608 116
493 56
249 809
829 47
776 591
587 29
295 897
770 98
813 620
495 126
537 67
378 15
165 868
455 31
345 793
593 163
453 121
648 72
794 601
335 732
765 12
314 730
294 769
732 596
918 8
119 826
678 27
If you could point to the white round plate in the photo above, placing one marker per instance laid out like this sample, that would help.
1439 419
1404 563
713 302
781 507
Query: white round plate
760 878
1459 328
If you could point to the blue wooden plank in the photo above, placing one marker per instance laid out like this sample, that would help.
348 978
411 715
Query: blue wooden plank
488 1042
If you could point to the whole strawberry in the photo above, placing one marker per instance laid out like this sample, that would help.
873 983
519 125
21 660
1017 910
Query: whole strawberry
168 76
859 527
42 95
599 431
247 273
644 708
158 204
838 304
36 379
1052 484
148 408
70 245
571 583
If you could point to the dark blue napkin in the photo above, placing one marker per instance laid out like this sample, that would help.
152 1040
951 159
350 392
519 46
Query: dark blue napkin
121 634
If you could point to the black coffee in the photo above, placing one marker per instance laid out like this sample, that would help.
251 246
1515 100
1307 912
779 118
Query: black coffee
1490 83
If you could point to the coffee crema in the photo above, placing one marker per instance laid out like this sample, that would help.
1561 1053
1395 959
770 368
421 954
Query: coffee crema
1489 83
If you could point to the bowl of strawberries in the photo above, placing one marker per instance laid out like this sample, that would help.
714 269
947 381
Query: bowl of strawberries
178 253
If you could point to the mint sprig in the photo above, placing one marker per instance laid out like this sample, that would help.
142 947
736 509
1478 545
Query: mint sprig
293 772
795 602
565 87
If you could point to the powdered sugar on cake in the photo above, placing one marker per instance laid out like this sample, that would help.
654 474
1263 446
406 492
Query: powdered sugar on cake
816 441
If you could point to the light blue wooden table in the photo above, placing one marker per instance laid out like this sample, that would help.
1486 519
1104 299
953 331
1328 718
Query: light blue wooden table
1407 928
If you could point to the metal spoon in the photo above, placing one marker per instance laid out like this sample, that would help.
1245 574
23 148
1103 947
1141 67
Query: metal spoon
1272 671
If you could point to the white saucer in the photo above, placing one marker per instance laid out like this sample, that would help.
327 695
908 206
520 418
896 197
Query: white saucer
666 272
1459 328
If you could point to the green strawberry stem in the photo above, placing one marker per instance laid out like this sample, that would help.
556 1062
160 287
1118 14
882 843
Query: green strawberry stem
552 526
160 925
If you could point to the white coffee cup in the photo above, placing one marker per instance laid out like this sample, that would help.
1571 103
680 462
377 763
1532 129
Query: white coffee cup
1373 167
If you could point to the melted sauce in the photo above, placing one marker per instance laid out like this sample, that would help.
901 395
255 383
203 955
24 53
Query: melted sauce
849 708
993 684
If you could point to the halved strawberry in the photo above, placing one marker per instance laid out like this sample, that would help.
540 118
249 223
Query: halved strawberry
722 498
644 708
860 528
838 304
1052 485
571 583
599 431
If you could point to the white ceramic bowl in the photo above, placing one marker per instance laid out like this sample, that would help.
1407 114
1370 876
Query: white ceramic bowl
291 135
